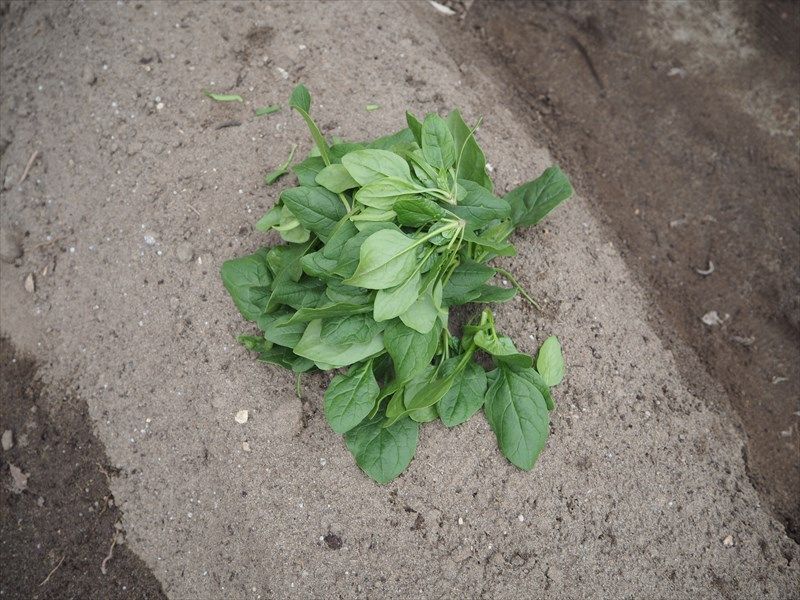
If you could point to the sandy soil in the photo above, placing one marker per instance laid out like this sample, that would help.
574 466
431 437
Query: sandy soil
682 121
642 490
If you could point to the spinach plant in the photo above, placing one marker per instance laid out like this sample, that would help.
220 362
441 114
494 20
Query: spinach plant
382 239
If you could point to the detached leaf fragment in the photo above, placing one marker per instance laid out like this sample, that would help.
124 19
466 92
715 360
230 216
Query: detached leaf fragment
381 240
223 97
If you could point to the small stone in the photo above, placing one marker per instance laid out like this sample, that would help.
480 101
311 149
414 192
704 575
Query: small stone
30 284
10 248
521 518
8 440
728 541
242 416
87 75
246 446
150 239
184 252
40 502
711 318
19 480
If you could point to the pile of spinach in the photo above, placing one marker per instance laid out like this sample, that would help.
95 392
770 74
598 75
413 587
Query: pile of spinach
383 238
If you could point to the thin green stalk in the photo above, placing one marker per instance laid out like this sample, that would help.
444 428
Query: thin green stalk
519 287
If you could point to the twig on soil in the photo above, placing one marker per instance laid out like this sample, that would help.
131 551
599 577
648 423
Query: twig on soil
110 554
28 166
585 54
50 574
47 243
197 212
232 123
104 472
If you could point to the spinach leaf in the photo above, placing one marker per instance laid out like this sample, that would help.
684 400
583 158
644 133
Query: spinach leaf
416 211
298 294
549 362
277 329
493 293
438 146
422 314
308 170
415 127
224 97
465 282
248 281
350 329
267 110
349 398
317 209
472 162
479 206
502 349
392 302
532 201
410 350
337 309
280 171
519 417
314 348
466 396
383 193
335 178
383 452
366 166
386 259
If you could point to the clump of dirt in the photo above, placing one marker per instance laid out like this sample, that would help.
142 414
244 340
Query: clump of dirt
681 121
59 519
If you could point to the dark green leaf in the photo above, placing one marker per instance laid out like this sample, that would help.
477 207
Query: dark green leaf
383 452
478 206
350 253
416 211
438 146
465 282
350 329
308 170
473 162
519 417
492 293
300 294
410 350
332 310
466 396
276 330
532 201
349 398
399 141
248 281
313 347
502 349
318 210
415 126
301 99
392 302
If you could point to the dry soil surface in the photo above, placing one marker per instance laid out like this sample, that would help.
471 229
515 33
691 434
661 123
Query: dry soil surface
135 197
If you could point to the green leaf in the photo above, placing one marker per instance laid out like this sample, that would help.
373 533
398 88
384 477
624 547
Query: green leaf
532 201
271 218
318 210
416 211
300 294
286 267
415 126
383 452
339 292
473 161
335 178
550 362
371 107
300 98
277 330
267 110
540 384
223 97
316 265
383 193
465 282
502 349
478 206
399 141
350 329
248 281
420 397
372 215
314 348
366 166
421 315
488 240
350 252
308 170
493 293
393 302
409 350
349 398
519 417
325 312
386 259
438 146
466 396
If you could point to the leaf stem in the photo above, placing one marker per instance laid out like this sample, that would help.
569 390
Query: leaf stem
519 287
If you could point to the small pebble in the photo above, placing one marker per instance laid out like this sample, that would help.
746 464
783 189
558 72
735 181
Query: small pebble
185 252
246 446
242 416
8 440
728 541
30 284
150 239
